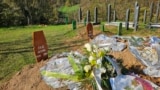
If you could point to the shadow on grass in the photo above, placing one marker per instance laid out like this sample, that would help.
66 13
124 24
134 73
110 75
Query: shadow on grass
59 46
17 42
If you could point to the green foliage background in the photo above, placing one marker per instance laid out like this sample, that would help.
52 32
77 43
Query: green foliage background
25 12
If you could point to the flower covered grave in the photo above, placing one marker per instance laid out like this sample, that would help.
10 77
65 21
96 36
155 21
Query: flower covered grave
95 67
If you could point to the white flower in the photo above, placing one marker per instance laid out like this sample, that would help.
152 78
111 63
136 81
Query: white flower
87 68
99 61
95 46
103 70
107 49
91 58
88 47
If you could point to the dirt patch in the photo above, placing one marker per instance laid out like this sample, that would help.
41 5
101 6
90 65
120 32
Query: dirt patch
29 77
131 65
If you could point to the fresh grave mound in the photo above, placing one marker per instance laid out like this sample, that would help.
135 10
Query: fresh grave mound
132 65
29 77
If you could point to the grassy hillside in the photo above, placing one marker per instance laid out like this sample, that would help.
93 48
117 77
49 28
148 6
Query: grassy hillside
16 48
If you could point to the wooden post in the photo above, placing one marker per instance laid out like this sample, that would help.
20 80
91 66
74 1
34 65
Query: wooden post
135 6
151 11
144 17
40 46
120 29
114 15
136 18
80 14
66 20
74 26
127 19
88 16
95 15
85 21
102 27
109 13
157 12
90 31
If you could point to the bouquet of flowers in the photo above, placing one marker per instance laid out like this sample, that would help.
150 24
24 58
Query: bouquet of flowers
93 68
90 69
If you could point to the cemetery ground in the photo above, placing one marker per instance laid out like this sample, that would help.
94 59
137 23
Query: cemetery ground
19 69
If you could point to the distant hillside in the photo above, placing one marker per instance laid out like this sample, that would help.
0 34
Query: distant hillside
25 12
120 6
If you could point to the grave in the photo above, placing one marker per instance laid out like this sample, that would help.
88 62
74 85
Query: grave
80 15
40 46
96 16
90 30
127 19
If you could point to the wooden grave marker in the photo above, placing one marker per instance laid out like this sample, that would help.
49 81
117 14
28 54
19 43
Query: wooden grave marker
40 46
90 30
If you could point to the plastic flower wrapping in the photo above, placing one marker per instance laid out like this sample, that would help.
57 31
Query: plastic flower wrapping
95 69
91 68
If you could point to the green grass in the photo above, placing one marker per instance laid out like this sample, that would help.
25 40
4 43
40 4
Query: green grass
16 44
16 48
142 30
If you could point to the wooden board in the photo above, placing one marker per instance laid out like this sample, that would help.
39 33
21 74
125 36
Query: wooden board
90 30
40 46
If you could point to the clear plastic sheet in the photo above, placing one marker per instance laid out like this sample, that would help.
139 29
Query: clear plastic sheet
60 64
149 55
131 82
104 41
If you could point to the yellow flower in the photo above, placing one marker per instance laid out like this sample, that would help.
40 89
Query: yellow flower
91 58
101 53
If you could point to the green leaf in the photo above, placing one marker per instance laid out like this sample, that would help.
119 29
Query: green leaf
77 68
73 63
59 75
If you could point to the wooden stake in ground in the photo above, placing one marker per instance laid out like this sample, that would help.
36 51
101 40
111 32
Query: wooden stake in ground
109 13
127 19
90 31
80 14
40 46
145 16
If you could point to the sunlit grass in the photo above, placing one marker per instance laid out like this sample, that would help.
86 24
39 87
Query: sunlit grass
16 48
